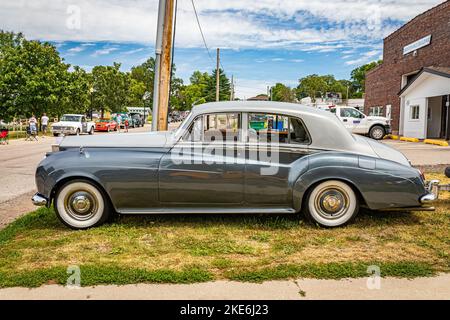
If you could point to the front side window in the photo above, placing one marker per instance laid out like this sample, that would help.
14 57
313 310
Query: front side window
215 127
272 128
351 113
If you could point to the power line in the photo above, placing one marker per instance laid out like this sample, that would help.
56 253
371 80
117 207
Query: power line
201 31
203 36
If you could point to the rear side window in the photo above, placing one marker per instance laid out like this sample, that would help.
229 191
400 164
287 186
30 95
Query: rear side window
273 128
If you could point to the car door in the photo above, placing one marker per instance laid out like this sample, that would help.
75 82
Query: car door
83 125
346 117
275 143
205 168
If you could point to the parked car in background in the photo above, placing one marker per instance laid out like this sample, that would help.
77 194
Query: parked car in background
106 125
137 120
73 124
357 122
316 167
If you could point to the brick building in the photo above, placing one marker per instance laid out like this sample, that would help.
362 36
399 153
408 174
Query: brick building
412 85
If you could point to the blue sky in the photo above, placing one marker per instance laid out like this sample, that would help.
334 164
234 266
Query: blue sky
262 42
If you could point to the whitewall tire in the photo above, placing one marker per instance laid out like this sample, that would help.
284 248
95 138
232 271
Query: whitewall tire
79 204
331 203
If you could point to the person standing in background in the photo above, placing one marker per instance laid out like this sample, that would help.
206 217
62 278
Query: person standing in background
44 123
119 122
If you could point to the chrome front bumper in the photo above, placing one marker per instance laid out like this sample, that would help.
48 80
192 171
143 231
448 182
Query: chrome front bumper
39 200
433 192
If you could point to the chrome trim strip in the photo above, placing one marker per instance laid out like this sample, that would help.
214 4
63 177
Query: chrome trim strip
208 211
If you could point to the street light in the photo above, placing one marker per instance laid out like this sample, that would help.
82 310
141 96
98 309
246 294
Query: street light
146 96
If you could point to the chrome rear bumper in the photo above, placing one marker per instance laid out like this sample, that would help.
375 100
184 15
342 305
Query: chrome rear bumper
39 200
433 195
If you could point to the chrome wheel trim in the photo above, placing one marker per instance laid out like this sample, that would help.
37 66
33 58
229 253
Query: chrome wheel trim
377 133
331 202
332 214
81 205
79 193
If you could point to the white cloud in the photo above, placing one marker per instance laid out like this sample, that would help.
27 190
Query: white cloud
364 58
228 24
104 51
76 49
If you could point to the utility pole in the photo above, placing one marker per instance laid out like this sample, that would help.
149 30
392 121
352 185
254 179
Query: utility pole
158 51
347 95
218 76
162 80
268 93
232 88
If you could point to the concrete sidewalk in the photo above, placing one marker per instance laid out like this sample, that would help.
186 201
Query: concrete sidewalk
421 154
303 289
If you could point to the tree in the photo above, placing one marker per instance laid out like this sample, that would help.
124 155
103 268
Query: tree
76 98
33 77
224 86
145 75
280 92
111 88
312 86
358 77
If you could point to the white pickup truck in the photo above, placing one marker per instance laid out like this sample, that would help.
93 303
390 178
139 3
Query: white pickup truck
73 124
357 122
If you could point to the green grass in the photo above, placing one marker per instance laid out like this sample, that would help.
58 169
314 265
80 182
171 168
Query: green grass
37 249
333 271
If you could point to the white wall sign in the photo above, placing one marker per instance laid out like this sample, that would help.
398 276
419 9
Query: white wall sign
417 45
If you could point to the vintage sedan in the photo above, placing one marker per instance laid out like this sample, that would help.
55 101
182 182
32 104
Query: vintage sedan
231 157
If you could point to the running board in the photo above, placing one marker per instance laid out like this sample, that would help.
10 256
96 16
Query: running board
411 209
209 211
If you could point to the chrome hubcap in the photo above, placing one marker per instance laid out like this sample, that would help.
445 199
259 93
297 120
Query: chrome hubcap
81 205
332 202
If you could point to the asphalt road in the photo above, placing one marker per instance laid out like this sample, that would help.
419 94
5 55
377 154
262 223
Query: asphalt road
18 162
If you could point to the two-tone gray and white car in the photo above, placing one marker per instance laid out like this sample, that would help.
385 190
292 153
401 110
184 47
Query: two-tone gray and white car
231 157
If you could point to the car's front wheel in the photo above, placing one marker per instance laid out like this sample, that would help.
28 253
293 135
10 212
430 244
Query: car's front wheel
331 203
79 204
91 132
377 132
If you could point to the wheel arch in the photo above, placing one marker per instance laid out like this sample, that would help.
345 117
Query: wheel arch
378 124
302 189
91 179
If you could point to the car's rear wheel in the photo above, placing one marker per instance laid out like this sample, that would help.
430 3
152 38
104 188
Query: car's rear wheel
80 204
91 132
331 203
377 132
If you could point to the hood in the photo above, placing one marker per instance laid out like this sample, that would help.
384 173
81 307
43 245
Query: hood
382 151
65 124
120 140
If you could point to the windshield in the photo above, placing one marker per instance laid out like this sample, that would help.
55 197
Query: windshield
103 120
71 118
183 126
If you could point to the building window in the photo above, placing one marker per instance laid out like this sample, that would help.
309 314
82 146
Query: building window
414 112
376 111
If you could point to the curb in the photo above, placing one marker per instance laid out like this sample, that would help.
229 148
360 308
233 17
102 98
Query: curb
436 142
408 139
